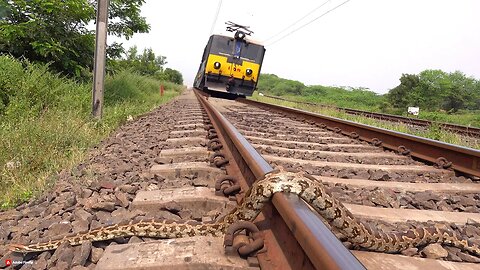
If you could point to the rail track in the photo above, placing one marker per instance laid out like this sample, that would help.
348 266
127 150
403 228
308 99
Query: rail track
459 129
194 159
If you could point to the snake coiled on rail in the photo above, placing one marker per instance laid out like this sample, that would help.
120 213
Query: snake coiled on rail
311 190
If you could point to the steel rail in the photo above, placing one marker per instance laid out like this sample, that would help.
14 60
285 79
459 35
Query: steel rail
461 159
465 130
319 246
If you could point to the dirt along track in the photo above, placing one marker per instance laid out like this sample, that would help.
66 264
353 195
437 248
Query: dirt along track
163 166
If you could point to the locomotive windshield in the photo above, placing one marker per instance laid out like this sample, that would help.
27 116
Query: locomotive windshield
238 48
222 45
252 52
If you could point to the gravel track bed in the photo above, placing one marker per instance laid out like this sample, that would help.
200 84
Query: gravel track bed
299 154
435 251
317 146
371 174
99 192
252 125
381 175
293 135
270 126
391 198
296 137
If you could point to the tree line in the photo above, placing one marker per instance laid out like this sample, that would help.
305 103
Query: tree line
431 90
341 96
436 90
147 64
56 32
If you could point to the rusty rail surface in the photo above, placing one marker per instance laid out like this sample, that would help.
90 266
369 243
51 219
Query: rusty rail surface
295 236
461 159
464 130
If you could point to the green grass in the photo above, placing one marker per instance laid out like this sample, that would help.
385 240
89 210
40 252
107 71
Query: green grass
434 132
462 117
46 123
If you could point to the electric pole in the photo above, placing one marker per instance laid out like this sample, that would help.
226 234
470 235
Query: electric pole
100 58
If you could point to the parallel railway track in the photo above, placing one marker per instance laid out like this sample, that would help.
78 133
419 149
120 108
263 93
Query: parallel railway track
165 165
459 129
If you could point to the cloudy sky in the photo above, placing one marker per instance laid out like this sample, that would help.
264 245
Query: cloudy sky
363 43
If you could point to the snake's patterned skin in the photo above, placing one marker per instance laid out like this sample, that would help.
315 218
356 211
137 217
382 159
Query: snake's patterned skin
309 189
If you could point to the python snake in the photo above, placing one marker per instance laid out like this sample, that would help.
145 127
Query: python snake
311 190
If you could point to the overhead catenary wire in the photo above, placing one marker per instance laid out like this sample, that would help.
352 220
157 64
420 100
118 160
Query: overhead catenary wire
297 21
216 17
309 22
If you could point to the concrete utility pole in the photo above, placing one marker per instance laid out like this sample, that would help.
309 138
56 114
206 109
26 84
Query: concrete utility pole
100 58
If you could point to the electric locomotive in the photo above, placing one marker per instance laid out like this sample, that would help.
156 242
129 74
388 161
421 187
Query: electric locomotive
230 64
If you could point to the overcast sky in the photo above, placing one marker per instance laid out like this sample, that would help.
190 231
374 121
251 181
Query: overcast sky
363 43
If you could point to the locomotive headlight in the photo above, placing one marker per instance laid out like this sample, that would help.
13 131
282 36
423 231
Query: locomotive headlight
248 72
217 65
239 35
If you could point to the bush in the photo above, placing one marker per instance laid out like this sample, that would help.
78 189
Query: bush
33 90
46 123
358 98
170 75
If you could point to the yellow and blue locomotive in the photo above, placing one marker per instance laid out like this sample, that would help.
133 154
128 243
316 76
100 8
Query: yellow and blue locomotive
230 64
